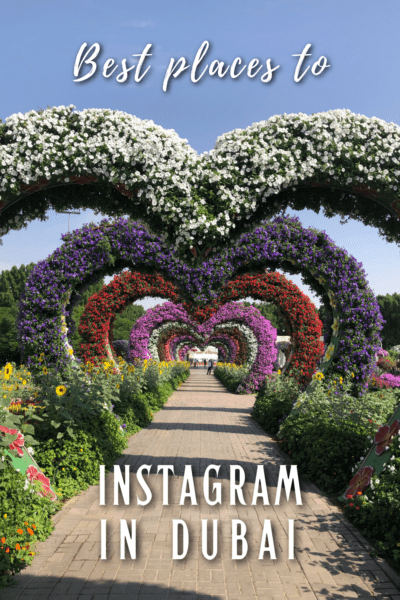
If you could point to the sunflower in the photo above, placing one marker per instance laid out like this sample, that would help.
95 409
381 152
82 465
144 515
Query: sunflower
45 370
318 376
8 370
41 357
60 390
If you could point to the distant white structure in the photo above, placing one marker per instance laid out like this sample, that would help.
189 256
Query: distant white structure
209 353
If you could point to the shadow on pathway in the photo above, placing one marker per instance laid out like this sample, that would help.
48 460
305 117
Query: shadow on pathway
203 424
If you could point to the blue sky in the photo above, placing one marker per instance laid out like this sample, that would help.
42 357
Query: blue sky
360 40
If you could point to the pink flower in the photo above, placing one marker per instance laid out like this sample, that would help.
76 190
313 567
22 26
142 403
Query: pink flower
384 435
360 481
18 442
34 475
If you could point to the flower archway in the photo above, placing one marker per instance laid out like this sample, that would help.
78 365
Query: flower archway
117 164
92 252
298 310
257 332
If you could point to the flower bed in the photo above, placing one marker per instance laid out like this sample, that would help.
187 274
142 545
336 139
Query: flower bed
78 430
231 375
329 439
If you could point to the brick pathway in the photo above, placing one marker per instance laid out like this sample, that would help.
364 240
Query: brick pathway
203 424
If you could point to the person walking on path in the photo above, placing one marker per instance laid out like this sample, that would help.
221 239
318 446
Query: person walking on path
210 367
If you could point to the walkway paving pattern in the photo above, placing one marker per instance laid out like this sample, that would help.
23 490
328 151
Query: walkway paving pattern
203 424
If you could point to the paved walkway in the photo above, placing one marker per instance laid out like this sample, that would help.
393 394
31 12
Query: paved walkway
203 424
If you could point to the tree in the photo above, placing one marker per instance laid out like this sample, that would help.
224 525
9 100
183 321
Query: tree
124 321
9 347
271 312
390 309
12 284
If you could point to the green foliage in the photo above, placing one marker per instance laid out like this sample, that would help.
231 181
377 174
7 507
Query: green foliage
329 435
124 321
9 347
273 314
274 402
230 375
73 464
12 284
21 508
332 430
390 309
377 511
80 432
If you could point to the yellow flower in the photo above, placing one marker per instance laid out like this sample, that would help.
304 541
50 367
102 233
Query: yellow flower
24 382
122 377
70 351
318 376
279 372
60 390
5 516
117 386
45 370
8 371
41 357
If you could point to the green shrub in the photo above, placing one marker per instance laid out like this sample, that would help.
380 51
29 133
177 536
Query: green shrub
274 402
333 429
376 511
327 438
230 375
21 508
72 464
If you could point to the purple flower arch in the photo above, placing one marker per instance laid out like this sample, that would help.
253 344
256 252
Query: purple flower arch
92 252
257 330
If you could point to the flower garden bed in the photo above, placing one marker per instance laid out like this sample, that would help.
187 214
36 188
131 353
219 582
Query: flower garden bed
86 417
328 439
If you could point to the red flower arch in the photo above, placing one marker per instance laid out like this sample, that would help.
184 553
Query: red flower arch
297 308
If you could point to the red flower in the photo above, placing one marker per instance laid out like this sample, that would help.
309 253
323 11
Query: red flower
359 482
18 442
34 475
383 436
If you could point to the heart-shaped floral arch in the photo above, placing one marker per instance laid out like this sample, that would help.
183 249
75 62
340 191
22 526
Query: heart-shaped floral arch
257 331
117 164
92 252
297 309
229 345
